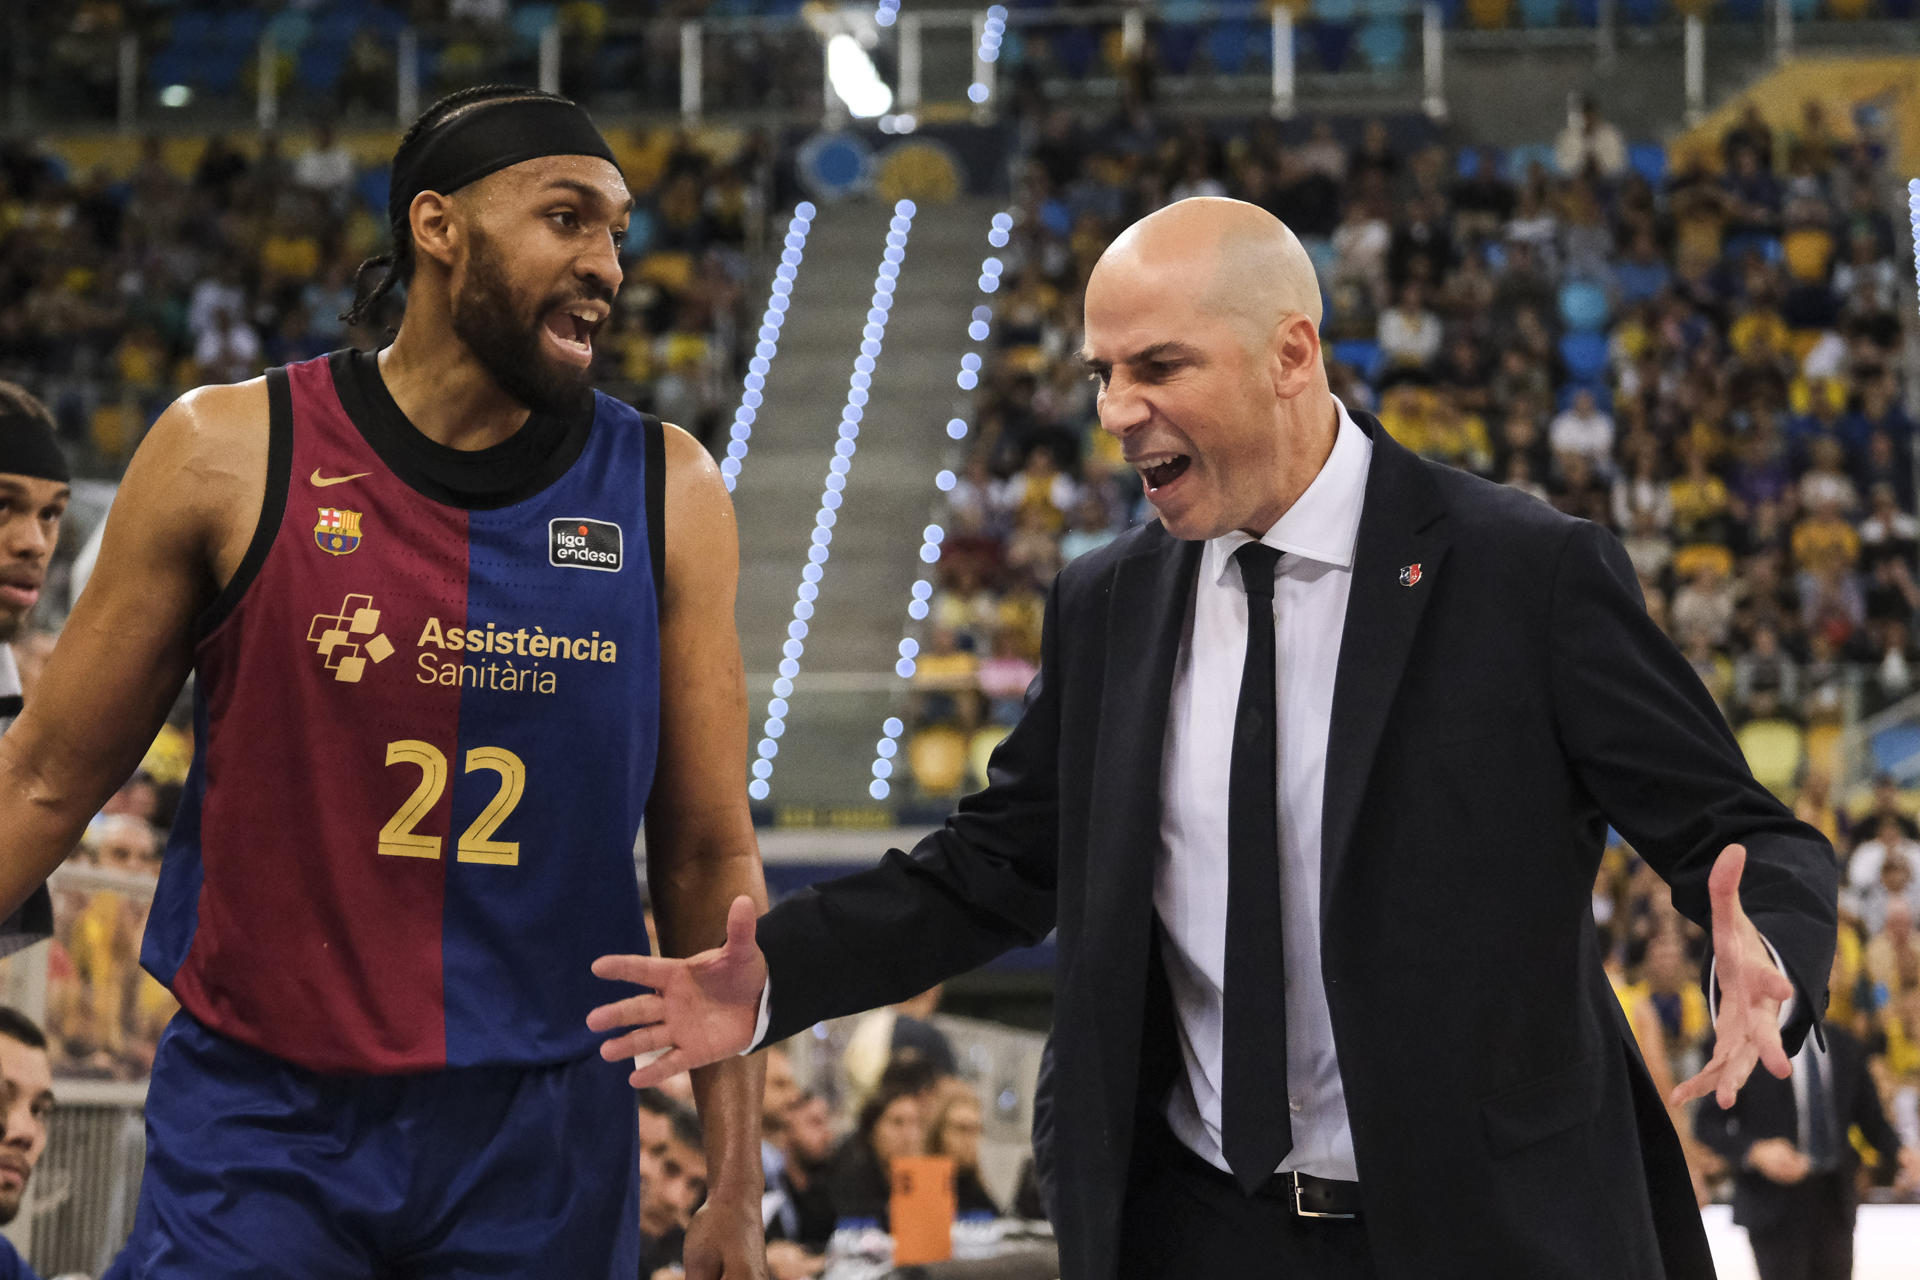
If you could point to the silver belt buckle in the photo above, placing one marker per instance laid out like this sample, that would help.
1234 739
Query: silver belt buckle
1300 1210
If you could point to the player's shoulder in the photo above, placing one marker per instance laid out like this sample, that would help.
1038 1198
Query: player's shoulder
214 420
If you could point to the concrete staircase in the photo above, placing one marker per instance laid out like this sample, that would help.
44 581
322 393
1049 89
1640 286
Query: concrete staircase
846 687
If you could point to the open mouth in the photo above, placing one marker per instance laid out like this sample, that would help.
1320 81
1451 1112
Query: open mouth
1160 470
572 328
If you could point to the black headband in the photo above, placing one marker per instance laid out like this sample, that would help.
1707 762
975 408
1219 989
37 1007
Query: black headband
27 448
486 139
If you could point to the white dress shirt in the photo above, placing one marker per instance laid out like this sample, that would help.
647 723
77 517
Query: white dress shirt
1190 875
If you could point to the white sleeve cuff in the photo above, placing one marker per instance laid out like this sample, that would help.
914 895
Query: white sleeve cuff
766 1016
1713 991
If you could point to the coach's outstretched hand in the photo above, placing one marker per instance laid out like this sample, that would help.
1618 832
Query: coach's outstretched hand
701 1009
1746 1029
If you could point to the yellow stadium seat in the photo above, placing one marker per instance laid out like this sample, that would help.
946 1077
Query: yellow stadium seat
937 756
980 750
671 271
1490 13
1802 341
1774 749
1823 749
1848 10
1807 253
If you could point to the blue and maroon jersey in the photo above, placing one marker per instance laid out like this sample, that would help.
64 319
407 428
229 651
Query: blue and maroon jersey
426 720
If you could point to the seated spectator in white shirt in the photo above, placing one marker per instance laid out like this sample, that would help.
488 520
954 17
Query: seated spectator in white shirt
1410 335
1584 428
326 168
1589 142
1888 837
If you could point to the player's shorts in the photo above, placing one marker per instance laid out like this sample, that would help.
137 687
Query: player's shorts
260 1169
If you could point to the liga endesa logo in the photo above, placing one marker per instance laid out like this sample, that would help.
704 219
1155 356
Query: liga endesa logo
575 543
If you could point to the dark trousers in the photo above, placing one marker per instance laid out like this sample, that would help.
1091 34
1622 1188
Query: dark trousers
1185 1220
1814 1240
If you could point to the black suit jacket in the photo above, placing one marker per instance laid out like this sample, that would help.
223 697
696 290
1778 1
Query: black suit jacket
1766 1108
1488 720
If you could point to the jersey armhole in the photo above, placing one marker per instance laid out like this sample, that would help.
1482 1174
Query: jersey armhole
657 505
273 505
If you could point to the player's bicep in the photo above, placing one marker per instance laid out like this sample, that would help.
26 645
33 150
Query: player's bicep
127 647
703 695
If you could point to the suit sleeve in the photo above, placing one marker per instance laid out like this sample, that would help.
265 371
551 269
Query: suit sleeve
981 885
1868 1113
1654 752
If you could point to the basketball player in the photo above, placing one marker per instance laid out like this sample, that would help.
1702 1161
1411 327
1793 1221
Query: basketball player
448 651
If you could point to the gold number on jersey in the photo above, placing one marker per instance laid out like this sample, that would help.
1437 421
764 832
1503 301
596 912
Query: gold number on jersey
478 844
398 838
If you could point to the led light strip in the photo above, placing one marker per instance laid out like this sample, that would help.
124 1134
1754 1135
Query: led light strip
1913 214
992 32
769 344
843 450
933 535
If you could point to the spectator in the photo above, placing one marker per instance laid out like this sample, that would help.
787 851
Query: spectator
1409 334
1895 884
892 1124
1584 429
673 1183
954 1131
806 1145
27 1077
1751 134
1589 145
326 168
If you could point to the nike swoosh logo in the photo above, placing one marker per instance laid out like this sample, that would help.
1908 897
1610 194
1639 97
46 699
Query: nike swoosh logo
321 482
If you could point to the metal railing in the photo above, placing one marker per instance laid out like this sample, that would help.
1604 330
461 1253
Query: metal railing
933 59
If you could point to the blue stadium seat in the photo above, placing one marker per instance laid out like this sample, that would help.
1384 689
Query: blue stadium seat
1230 44
1386 8
529 20
1383 43
1451 11
1331 42
1522 157
1586 13
1738 247
1804 10
318 70
1583 306
191 28
1336 10
1539 13
1746 10
289 30
1360 354
1894 747
1649 160
1643 12
1075 48
1585 355
371 186
1176 43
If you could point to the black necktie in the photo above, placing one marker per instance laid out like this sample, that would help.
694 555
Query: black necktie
1256 1126
1820 1144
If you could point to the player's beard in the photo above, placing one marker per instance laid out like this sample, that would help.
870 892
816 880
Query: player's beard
10 1204
513 348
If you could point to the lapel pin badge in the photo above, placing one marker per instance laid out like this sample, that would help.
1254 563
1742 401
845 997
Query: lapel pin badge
1409 574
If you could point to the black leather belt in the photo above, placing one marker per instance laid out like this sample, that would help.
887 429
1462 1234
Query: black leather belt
1312 1197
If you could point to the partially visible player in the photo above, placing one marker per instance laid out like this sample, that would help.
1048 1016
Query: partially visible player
33 499
449 650
26 1096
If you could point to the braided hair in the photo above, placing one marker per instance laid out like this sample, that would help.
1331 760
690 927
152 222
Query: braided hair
398 261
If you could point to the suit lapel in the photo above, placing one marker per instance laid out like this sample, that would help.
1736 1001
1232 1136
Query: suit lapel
1146 614
1398 530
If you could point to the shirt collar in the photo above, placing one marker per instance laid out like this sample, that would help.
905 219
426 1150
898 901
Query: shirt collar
1323 524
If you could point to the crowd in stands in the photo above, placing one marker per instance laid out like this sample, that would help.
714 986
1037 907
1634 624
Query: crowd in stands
1706 360
121 290
907 1099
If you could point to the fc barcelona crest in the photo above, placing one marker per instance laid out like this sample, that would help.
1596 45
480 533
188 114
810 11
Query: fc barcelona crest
1409 574
338 531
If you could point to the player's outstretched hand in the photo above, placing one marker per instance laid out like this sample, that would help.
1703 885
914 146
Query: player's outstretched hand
1752 990
701 1009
